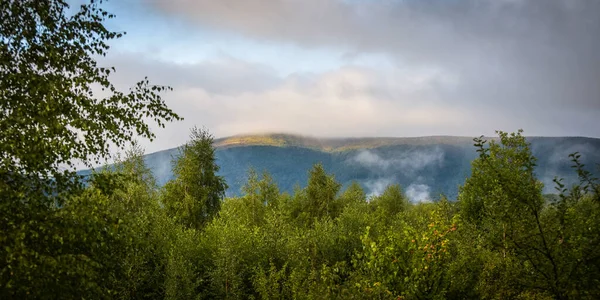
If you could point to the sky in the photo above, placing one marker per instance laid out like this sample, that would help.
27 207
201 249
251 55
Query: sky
351 68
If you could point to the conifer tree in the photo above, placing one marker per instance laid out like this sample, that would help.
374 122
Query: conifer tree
194 197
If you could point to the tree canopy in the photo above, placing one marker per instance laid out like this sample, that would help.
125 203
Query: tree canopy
194 197
51 113
59 107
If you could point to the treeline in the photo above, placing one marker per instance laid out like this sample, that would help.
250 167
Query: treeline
122 237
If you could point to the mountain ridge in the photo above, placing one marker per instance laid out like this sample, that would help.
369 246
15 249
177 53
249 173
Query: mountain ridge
424 166
441 163
333 144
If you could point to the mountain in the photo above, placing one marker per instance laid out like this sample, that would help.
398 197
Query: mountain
424 166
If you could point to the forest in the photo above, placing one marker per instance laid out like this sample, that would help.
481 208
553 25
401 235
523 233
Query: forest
116 234
122 237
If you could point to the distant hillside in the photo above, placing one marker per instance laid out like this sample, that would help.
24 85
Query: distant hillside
334 144
424 166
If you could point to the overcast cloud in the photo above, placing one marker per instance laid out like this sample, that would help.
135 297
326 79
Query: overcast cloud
398 68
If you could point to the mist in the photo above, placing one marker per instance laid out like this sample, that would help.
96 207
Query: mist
418 193
405 163
408 162
376 187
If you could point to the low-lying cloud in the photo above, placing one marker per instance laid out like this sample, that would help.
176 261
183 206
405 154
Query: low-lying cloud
415 192
376 187
407 162
418 192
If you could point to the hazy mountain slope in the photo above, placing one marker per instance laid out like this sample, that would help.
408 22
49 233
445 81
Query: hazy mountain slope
425 166
334 144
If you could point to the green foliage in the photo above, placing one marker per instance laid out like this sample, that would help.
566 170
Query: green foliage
264 190
58 238
96 245
195 196
390 203
50 111
272 283
530 245
260 195
318 199
353 195
188 262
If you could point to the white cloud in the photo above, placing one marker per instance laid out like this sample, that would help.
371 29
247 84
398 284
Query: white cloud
242 97
408 162
418 193
488 64
376 187
412 68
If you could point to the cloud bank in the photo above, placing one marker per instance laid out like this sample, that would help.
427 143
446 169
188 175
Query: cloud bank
402 68
408 162
418 193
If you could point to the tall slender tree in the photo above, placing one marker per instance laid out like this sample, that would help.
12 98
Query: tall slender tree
194 197
321 192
